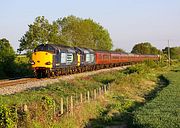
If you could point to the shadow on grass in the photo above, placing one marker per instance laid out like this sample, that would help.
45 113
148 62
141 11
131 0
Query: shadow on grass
176 70
125 119
16 78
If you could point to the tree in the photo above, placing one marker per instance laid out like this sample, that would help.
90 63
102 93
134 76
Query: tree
7 53
40 32
174 52
71 31
145 48
119 50
84 33
7 56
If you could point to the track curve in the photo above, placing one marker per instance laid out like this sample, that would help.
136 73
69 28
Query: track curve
14 86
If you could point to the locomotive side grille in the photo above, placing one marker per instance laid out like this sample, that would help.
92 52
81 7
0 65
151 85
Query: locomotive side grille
69 58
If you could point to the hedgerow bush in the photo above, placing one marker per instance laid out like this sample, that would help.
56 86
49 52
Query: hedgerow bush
8 117
139 69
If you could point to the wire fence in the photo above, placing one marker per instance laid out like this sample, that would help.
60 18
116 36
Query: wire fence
67 105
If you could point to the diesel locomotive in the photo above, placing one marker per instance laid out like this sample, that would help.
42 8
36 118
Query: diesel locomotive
54 60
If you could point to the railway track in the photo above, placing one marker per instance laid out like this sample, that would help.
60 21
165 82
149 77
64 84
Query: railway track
18 85
6 83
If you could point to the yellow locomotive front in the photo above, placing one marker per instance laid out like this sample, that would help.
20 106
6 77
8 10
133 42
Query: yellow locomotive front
42 61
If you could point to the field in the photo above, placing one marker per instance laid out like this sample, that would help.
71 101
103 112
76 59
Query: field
164 110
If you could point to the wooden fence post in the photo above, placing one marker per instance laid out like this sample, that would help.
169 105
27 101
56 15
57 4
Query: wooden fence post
67 105
71 107
81 98
88 96
62 109
105 89
25 108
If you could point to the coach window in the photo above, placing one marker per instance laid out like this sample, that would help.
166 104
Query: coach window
100 57
106 57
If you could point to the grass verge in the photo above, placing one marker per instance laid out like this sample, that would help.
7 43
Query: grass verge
127 89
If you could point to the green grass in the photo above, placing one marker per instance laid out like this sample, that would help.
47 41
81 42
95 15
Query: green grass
164 110
126 88
40 100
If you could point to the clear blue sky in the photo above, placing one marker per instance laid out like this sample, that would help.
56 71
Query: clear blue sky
128 21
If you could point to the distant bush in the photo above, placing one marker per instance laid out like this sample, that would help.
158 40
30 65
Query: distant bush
151 63
141 68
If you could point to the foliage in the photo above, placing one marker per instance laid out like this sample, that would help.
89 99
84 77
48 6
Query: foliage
163 111
40 32
71 31
125 89
45 97
141 68
22 66
7 56
7 117
145 48
119 50
84 33
174 52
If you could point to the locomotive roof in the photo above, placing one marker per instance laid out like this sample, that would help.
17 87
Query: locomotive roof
84 50
56 47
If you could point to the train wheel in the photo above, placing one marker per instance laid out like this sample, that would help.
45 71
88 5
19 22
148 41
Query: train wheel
39 74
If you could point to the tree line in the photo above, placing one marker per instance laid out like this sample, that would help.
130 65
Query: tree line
69 31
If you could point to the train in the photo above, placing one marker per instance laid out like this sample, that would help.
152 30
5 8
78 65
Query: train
55 60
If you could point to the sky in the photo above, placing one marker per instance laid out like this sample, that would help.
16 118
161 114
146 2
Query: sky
128 21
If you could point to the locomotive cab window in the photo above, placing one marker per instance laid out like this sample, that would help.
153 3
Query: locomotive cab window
39 48
49 49
45 48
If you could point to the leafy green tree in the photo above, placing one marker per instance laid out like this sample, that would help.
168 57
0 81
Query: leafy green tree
119 50
40 32
174 52
7 53
145 48
84 33
7 56
71 31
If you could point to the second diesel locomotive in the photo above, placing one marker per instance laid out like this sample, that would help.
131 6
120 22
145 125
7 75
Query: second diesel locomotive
54 60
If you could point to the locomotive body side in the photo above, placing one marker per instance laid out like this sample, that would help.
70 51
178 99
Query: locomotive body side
51 59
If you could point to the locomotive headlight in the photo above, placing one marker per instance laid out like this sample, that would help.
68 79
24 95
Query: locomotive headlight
48 63
32 62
